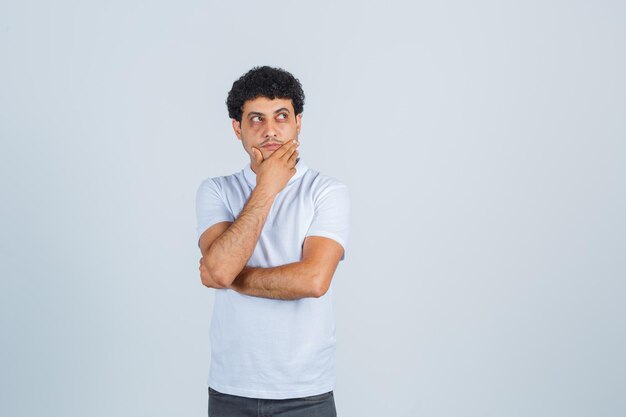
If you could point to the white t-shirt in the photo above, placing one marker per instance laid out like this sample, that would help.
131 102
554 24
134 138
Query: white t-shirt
270 348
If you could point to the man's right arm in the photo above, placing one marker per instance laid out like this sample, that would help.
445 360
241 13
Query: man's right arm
224 256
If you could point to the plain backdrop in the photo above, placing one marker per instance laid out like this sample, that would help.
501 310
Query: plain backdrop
483 143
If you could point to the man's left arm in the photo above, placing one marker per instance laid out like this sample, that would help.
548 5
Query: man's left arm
323 247
309 277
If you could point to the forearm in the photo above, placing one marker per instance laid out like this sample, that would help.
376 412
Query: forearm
230 252
286 282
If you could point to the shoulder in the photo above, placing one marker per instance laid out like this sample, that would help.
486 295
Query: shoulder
221 183
321 180
321 184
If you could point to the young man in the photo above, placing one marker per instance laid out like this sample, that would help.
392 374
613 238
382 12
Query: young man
271 237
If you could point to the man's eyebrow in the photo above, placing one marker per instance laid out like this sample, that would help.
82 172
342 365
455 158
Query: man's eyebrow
256 113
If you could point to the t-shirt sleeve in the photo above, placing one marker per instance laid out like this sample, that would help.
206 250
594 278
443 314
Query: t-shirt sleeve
331 216
210 206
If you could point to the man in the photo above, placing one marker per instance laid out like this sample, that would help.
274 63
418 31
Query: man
271 237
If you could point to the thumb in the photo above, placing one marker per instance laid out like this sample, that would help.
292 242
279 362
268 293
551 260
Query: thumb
258 156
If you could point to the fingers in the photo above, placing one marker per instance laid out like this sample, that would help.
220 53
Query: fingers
293 159
290 151
283 150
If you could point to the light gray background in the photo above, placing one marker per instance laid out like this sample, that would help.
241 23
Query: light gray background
483 144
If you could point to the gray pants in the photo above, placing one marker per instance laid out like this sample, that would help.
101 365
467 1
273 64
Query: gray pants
226 405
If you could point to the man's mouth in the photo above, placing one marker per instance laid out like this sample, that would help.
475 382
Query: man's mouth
272 145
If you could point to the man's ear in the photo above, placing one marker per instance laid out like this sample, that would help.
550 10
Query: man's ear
237 128
299 122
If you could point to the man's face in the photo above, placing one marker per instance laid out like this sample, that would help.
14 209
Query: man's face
266 125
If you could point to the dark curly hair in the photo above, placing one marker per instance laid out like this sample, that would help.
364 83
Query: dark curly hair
264 82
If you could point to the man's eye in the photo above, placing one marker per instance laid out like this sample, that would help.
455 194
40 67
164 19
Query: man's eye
254 119
284 115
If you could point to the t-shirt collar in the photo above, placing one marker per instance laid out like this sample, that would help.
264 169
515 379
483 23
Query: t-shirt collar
250 176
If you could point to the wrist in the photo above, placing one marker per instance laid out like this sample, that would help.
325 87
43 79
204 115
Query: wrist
265 192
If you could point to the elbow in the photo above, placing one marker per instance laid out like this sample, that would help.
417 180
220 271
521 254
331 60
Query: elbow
221 280
207 282
321 284
212 278
211 282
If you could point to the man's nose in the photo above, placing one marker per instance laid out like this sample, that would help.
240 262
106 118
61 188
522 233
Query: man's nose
270 129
